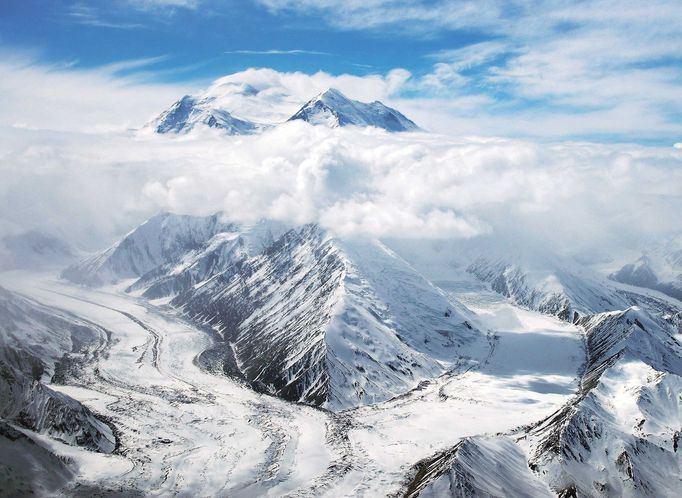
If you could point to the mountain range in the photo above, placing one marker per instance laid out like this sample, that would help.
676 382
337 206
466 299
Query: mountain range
479 367
303 315
329 108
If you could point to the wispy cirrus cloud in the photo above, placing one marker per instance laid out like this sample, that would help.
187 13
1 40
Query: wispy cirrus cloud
278 52
66 97
154 4
89 16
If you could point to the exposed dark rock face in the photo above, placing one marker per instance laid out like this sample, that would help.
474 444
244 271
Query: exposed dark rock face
27 469
32 340
280 349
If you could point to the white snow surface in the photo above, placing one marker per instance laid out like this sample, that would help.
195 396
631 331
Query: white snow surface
189 113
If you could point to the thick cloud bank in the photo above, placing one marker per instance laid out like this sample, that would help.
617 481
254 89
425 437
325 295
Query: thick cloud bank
92 188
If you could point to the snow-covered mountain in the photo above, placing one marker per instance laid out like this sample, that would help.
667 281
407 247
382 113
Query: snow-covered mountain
333 323
619 434
221 104
223 252
659 268
160 240
302 315
332 108
618 437
189 113
486 367
531 277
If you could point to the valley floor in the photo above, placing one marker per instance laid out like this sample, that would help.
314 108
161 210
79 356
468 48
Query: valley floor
186 432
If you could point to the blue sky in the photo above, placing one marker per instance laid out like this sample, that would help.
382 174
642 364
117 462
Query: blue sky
602 70
211 39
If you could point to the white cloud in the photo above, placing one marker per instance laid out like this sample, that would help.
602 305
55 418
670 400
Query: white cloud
277 52
34 95
87 15
354 182
420 16
148 4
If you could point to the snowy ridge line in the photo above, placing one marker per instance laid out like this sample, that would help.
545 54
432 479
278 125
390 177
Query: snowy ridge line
329 108
332 108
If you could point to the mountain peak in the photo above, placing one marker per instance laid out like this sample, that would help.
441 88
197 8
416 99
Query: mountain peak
190 112
332 93
332 108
